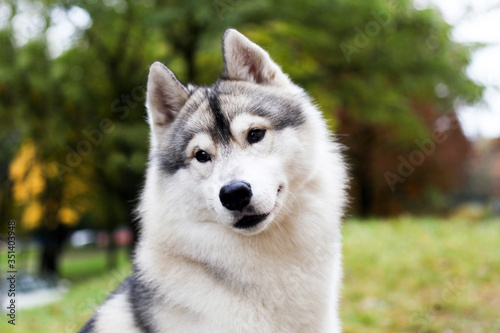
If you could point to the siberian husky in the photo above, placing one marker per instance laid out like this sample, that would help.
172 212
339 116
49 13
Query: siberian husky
241 211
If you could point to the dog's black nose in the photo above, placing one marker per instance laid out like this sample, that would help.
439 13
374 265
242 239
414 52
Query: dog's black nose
236 195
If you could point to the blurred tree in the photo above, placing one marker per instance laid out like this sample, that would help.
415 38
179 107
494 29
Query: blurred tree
483 183
383 71
32 97
386 73
8 132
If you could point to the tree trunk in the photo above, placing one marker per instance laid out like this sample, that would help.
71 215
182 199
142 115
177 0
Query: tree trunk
52 244
365 172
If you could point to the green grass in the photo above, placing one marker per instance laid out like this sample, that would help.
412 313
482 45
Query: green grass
421 276
407 275
91 283
78 265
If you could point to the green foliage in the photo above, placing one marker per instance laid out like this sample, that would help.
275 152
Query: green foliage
375 61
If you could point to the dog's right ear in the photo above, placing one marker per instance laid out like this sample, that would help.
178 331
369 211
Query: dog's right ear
245 60
165 97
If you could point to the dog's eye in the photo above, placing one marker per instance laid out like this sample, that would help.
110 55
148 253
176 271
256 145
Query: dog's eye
202 156
255 135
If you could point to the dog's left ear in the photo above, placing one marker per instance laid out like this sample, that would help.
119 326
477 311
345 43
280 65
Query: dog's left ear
164 99
245 60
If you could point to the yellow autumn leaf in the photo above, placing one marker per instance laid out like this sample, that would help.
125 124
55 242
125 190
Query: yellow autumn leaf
68 216
21 163
27 189
26 174
32 215
36 180
20 192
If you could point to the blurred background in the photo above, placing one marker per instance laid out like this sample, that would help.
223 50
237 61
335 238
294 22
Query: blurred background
409 87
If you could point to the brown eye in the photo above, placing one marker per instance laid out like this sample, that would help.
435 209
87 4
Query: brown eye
202 156
255 135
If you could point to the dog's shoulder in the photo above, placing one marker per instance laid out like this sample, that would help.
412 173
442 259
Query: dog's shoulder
130 301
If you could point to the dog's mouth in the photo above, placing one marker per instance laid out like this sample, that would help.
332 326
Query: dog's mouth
250 221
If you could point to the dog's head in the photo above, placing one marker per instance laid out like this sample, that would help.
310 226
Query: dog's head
234 153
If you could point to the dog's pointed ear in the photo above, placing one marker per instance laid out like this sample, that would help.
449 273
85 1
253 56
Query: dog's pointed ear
245 60
165 96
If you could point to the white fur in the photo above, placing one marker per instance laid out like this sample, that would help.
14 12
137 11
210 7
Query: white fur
116 316
286 278
282 276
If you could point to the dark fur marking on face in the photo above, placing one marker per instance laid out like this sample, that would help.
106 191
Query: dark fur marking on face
221 132
292 117
282 112
173 157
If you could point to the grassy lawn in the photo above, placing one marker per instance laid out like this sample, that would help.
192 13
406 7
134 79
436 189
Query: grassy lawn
407 275
421 276
80 265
